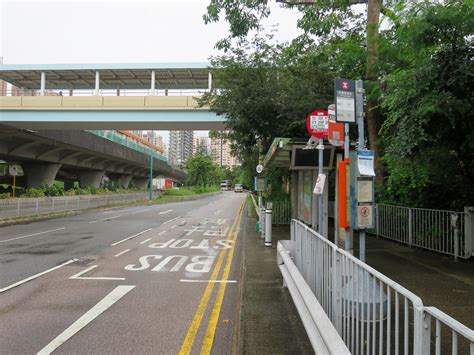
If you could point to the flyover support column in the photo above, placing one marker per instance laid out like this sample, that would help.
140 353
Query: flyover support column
40 174
140 182
153 83
91 178
209 81
124 180
97 83
43 83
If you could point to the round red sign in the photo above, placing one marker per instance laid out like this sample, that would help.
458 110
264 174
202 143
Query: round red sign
317 123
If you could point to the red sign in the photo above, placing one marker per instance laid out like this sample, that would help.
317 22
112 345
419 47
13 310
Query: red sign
168 184
335 130
317 123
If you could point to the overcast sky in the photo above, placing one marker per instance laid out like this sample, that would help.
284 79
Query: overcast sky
37 32
116 31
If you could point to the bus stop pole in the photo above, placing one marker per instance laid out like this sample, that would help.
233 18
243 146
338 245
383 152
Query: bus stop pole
347 239
321 197
361 145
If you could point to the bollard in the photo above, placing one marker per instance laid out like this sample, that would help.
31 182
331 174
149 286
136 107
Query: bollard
262 222
268 225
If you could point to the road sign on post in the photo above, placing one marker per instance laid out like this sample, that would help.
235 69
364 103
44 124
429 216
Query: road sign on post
335 130
317 123
344 92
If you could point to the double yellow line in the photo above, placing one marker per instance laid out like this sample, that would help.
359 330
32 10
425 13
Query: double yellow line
212 325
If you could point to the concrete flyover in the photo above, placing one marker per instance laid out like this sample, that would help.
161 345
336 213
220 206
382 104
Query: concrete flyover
162 96
72 155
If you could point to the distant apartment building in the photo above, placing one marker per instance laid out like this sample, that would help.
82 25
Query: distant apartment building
180 146
201 145
227 158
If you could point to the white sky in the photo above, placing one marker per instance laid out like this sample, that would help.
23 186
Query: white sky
46 32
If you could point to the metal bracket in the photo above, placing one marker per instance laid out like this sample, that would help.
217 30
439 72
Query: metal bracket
360 114
360 90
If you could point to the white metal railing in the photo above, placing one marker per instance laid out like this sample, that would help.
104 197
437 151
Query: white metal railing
438 230
460 339
446 232
105 92
321 332
372 313
18 207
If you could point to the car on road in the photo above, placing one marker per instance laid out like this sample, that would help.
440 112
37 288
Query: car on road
238 188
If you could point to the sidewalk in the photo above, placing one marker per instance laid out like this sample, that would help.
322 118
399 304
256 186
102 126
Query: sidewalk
270 323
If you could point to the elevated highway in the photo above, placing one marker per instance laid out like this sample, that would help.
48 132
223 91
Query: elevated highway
74 155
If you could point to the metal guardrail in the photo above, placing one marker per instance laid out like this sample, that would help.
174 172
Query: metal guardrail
281 212
321 332
103 92
372 313
439 318
424 228
19 207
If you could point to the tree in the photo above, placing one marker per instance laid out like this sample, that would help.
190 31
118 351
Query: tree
429 131
201 171
328 21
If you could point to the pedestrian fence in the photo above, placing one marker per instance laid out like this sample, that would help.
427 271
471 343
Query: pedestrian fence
17 207
371 313
281 212
447 232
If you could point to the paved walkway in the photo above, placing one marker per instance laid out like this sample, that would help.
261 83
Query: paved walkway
270 323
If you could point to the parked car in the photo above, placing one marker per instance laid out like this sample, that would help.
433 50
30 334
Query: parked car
238 188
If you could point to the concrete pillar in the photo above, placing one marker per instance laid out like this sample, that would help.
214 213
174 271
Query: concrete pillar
43 83
90 178
140 182
97 83
124 180
40 174
153 83
209 81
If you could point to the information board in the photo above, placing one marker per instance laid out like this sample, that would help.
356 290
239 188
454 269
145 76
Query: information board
344 92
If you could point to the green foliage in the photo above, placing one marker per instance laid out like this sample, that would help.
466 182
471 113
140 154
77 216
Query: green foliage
429 133
54 190
183 191
201 171
34 192
4 195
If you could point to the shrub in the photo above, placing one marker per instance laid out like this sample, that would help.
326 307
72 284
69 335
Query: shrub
34 192
4 195
54 190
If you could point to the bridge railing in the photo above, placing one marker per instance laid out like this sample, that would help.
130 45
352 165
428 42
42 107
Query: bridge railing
372 313
104 92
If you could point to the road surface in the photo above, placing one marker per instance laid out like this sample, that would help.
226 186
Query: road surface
160 279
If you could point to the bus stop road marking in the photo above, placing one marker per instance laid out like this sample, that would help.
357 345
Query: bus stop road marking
32 235
164 212
132 236
122 252
79 276
36 276
88 317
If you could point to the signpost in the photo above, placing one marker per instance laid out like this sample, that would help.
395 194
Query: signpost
13 171
317 124
345 100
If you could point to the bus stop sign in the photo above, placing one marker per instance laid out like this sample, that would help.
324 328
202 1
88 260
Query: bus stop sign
317 123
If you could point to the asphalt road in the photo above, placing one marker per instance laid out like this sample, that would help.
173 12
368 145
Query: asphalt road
121 281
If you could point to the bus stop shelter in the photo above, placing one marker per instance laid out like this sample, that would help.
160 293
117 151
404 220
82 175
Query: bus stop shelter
301 159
